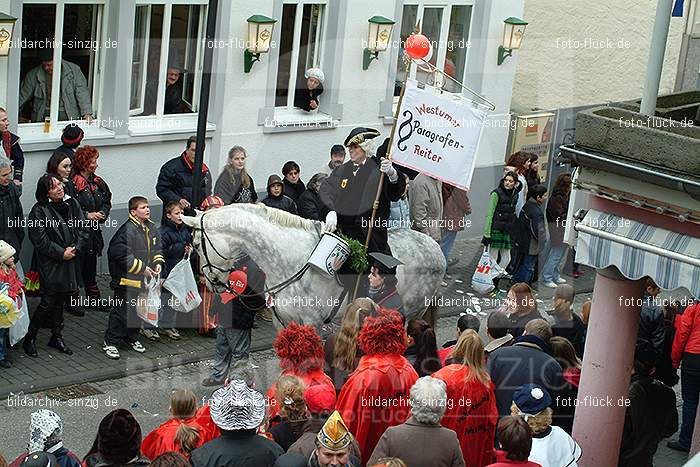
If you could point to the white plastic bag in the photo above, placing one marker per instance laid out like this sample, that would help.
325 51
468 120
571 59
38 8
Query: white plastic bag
486 271
182 284
21 326
148 302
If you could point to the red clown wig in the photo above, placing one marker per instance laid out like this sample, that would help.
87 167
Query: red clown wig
299 348
383 334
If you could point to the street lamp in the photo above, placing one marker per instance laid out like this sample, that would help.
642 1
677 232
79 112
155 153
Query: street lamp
259 37
377 39
513 32
7 25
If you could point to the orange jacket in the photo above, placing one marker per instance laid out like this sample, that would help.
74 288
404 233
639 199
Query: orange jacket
687 338
162 439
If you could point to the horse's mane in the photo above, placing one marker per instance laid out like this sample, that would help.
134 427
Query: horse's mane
272 215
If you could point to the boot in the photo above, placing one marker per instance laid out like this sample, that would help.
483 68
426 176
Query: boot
29 346
93 294
57 343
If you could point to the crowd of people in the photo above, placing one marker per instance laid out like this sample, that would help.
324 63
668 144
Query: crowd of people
380 386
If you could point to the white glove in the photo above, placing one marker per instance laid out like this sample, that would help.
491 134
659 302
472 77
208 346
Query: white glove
331 222
386 167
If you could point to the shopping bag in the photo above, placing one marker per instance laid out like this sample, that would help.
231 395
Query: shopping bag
486 271
21 326
183 286
148 302
8 307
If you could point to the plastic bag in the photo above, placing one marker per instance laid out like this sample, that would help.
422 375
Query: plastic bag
486 271
148 302
8 308
182 284
21 326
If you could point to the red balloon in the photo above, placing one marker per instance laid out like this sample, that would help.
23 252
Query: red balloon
417 46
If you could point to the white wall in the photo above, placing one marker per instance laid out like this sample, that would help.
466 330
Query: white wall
551 76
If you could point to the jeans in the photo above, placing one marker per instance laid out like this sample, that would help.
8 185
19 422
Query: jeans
550 270
3 334
231 344
447 242
690 391
526 269
123 323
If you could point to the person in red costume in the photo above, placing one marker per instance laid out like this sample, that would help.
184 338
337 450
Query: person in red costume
187 430
375 397
471 409
300 351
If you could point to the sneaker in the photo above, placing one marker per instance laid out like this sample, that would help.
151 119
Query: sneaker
561 280
138 347
5 364
171 333
111 351
212 382
550 284
151 334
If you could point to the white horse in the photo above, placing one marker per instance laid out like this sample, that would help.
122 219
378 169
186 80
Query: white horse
281 243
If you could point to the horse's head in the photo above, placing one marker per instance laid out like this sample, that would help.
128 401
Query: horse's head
216 248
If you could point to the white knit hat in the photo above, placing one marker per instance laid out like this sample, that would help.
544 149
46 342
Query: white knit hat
7 251
315 73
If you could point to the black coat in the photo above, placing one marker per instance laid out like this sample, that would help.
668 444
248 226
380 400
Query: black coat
574 331
534 228
242 448
522 363
652 328
557 210
293 190
94 196
51 234
303 96
11 217
10 143
651 416
175 181
310 206
229 187
518 322
133 248
283 202
239 313
352 196
388 298
67 150
173 240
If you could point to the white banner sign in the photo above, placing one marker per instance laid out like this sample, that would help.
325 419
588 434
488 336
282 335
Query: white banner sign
438 135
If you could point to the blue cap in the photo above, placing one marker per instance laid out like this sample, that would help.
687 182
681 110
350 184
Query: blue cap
531 399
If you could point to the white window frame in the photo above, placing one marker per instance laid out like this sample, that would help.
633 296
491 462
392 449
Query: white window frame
34 130
164 56
296 41
446 6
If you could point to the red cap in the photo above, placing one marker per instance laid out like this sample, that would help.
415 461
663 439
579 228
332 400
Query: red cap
320 398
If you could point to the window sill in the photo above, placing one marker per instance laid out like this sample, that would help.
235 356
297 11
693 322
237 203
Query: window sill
33 138
167 125
297 120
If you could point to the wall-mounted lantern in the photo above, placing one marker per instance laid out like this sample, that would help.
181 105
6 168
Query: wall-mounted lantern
259 37
513 32
377 39
7 25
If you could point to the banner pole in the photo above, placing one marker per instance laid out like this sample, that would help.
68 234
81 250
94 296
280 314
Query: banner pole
375 205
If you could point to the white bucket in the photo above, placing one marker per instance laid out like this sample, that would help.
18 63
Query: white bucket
330 254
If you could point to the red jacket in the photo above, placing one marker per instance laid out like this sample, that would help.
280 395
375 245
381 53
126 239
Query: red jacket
375 397
687 338
471 413
162 439
501 461
444 353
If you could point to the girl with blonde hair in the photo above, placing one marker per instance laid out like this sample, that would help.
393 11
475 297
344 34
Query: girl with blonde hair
293 414
471 401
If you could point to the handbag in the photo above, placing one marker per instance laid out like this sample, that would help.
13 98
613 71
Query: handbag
148 302
183 287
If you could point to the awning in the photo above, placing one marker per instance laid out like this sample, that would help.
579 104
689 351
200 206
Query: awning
671 259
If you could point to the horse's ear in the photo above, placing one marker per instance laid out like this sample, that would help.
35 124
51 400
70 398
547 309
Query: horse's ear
192 221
